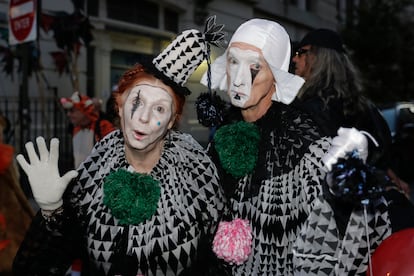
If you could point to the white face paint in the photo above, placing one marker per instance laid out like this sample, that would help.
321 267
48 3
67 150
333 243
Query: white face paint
146 116
240 65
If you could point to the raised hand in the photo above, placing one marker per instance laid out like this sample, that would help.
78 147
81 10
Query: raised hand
43 173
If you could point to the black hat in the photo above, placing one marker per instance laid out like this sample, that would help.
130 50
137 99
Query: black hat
324 38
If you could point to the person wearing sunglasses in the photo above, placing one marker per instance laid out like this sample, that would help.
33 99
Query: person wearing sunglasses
332 92
332 95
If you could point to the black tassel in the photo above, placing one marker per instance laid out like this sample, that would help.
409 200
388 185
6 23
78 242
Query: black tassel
210 108
354 182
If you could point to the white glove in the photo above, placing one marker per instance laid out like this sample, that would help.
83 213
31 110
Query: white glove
43 174
348 139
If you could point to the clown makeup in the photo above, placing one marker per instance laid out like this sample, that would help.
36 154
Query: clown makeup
146 116
243 67
249 77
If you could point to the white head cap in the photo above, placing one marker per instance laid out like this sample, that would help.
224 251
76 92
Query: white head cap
274 42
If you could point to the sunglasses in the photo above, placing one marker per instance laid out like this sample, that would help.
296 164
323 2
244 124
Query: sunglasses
301 51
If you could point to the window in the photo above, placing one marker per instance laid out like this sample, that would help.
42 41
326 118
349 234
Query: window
138 12
92 7
171 20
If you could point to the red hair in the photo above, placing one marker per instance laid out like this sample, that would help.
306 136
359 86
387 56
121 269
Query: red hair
131 77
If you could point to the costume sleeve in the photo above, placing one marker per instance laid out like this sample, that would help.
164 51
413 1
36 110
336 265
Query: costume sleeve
314 172
49 247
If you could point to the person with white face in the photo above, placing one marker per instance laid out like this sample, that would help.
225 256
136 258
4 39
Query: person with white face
273 159
251 83
277 144
146 116
146 201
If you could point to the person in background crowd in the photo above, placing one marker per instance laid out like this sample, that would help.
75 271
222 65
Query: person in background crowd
146 201
16 212
88 126
332 94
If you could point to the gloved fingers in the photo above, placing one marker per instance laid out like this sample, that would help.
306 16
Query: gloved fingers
342 131
67 177
339 141
54 150
352 134
331 157
31 152
23 163
43 152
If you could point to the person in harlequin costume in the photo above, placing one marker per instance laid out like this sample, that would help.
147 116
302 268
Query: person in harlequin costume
284 182
88 126
269 154
146 201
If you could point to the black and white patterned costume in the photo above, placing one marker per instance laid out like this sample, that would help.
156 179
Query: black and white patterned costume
298 228
278 196
166 244
321 249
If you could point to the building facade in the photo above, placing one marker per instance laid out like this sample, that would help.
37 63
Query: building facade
126 31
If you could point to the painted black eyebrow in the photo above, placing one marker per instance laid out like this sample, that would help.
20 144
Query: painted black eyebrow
136 102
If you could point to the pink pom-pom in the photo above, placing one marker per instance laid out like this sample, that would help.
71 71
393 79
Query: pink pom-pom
233 241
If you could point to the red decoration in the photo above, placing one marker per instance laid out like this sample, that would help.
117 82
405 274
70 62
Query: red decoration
394 256
6 158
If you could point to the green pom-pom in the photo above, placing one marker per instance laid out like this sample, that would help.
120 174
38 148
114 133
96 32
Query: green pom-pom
237 147
132 197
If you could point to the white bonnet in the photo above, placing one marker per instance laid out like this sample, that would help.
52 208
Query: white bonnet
274 42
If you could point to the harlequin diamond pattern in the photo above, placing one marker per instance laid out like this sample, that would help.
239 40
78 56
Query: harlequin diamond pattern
319 249
165 244
281 205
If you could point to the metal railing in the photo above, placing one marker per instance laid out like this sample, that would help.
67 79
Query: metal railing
45 117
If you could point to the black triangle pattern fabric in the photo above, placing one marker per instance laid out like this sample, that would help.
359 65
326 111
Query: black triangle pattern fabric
167 243
319 250
182 56
275 217
288 174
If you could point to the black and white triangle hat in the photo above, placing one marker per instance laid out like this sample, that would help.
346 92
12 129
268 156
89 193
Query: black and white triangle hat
178 61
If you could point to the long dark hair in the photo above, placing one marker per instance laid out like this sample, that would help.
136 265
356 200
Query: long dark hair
333 76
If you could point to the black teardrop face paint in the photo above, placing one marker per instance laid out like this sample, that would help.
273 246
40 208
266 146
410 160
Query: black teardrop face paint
135 103
254 73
